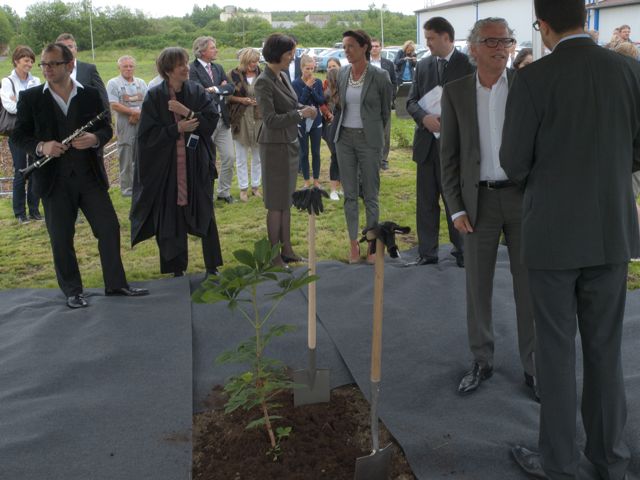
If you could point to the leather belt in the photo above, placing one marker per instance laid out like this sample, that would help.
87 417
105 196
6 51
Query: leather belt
496 184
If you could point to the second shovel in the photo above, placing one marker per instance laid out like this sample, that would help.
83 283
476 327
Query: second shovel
312 383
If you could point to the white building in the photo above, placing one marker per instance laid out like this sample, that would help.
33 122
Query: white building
462 14
229 12
605 15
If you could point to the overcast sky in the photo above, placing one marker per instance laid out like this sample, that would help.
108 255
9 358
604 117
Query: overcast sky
155 8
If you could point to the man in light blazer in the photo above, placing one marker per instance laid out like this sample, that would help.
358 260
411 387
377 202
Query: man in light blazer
572 139
482 201
212 77
443 65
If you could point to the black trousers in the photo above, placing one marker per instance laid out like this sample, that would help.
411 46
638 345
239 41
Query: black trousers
81 190
593 300
174 252
428 194
19 157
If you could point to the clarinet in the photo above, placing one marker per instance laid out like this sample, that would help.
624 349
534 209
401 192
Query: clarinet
25 172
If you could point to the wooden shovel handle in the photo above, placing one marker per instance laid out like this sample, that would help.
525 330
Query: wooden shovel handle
378 286
311 330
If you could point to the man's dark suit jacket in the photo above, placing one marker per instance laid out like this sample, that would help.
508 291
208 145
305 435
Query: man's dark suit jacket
198 73
425 79
388 65
36 122
87 74
576 161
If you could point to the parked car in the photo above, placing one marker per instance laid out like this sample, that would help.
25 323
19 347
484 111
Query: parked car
315 52
389 53
338 53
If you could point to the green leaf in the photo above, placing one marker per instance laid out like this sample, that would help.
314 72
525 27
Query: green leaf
245 257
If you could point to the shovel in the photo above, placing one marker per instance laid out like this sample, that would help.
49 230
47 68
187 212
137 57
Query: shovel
313 383
377 465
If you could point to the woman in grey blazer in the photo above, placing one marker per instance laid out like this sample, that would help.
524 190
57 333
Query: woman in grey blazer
365 96
278 140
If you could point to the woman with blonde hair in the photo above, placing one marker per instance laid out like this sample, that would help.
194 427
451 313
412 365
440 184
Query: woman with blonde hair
246 121
405 61
309 91
331 96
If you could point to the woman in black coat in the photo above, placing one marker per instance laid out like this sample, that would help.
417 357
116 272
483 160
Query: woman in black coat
173 188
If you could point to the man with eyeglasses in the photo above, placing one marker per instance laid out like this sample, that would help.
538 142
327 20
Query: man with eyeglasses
572 139
75 178
482 201
444 65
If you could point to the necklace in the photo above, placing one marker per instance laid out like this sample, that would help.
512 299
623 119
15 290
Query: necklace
358 83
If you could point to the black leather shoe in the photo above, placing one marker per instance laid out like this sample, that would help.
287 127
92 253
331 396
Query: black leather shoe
529 461
459 260
126 292
77 301
35 216
228 199
530 381
423 260
294 259
22 219
472 379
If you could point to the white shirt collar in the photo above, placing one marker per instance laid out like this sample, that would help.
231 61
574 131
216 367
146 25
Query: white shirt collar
503 78
571 37
448 57
203 63
76 85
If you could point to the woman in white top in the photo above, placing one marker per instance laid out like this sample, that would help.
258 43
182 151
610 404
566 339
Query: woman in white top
20 79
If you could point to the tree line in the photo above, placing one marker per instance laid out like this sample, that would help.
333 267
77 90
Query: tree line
120 27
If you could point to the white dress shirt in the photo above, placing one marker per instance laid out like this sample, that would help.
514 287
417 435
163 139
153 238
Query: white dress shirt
64 106
491 104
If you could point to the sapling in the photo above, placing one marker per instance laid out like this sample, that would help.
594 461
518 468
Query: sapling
266 377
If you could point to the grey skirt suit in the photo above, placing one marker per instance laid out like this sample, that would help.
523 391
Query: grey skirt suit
277 138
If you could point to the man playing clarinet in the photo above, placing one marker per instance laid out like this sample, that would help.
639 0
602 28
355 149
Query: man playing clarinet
74 179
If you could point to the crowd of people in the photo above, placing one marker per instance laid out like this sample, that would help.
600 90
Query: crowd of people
493 144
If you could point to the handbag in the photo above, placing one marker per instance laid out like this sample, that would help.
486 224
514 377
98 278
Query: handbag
7 120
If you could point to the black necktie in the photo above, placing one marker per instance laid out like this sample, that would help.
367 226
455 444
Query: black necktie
442 65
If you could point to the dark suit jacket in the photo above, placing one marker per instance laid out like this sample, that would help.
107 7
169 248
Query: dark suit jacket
425 79
375 103
278 103
198 73
389 67
36 122
572 137
460 145
87 74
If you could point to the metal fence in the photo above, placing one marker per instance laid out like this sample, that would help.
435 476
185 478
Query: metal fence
111 165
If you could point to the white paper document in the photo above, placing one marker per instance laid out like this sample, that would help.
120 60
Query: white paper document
430 103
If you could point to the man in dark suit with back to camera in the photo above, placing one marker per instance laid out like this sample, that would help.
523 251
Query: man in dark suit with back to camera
444 64
75 178
212 77
572 138
483 202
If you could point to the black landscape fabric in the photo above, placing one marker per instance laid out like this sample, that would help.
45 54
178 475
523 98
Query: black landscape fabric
100 393
108 392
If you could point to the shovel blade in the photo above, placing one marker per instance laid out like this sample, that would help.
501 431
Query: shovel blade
313 387
376 466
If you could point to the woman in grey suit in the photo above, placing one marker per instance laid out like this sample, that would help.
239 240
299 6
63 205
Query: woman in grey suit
365 96
278 140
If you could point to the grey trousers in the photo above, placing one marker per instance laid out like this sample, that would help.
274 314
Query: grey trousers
223 141
125 156
595 296
498 211
387 143
357 159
